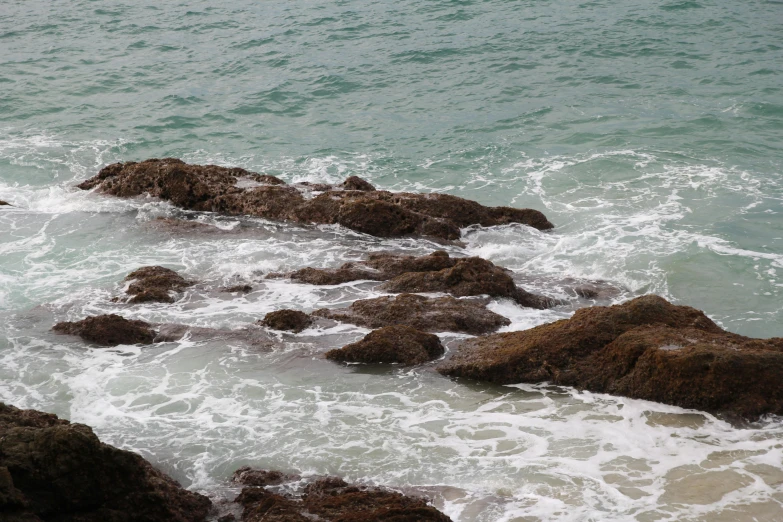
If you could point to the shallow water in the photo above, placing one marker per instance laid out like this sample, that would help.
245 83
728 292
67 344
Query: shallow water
648 133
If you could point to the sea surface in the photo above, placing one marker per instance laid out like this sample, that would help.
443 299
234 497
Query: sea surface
649 132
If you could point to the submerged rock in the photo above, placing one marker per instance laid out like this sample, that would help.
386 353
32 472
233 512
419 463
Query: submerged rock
356 205
331 499
442 314
109 330
466 277
646 348
51 469
238 289
289 320
155 284
391 344
4 203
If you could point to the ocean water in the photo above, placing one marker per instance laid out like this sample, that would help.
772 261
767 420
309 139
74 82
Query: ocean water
649 133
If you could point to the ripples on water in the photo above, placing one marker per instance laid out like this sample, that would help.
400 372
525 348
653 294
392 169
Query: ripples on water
649 134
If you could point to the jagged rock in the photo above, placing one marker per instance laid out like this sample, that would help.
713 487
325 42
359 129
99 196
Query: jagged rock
109 330
646 348
237 191
331 499
357 183
51 469
289 320
442 314
466 277
391 344
154 284
248 476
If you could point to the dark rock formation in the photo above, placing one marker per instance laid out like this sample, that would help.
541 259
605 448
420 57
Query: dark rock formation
108 330
331 499
355 206
646 348
154 284
51 469
238 289
357 183
442 314
436 272
4 203
290 320
468 276
248 476
391 344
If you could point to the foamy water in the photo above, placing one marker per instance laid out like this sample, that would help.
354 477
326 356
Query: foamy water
199 409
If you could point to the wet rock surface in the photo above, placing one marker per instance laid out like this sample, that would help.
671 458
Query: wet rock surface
51 469
355 205
108 330
442 314
391 344
646 348
330 499
4 203
155 284
467 277
287 320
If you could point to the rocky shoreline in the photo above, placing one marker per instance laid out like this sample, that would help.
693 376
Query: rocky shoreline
645 348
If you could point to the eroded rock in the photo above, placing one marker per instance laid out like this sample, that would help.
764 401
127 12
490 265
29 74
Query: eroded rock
391 344
155 284
466 277
108 330
428 314
356 206
646 348
331 499
51 469
288 320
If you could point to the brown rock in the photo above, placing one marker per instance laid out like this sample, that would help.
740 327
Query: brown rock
646 348
239 289
4 203
154 284
248 476
391 344
442 314
55 470
331 499
290 320
108 330
358 207
357 183
467 277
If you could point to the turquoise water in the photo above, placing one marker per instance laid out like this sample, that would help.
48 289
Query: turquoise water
648 132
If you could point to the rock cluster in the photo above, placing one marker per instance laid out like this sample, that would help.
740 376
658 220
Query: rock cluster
392 344
441 314
329 499
646 348
155 284
51 469
108 330
355 204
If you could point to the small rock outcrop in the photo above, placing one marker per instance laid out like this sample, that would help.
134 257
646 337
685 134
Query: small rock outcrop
288 320
356 205
51 469
329 499
428 314
468 276
646 348
4 203
108 330
155 284
392 344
